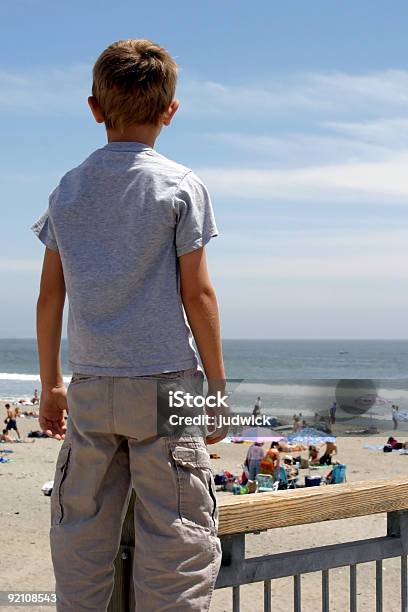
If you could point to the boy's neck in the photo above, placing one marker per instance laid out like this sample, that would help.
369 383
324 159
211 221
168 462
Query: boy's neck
146 134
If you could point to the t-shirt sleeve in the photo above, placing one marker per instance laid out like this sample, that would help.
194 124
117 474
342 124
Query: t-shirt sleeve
195 216
44 230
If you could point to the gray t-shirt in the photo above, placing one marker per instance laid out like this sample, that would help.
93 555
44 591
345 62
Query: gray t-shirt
120 220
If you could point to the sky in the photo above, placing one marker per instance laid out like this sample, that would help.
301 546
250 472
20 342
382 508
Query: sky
294 114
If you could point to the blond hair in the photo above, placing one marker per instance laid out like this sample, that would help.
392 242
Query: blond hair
134 82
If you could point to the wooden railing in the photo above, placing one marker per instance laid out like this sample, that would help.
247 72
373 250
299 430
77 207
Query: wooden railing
240 515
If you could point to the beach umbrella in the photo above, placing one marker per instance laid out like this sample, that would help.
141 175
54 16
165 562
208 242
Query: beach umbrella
309 435
256 434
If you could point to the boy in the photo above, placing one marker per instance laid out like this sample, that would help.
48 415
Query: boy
125 234
11 420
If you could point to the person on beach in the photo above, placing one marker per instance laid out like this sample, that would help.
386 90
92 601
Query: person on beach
5 437
393 444
329 452
292 471
271 461
333 409
125 235
257 408
253 459
35 399
395 416
313 454
289 447
30 413
11 420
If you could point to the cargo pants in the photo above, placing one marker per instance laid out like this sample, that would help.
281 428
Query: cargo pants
112 446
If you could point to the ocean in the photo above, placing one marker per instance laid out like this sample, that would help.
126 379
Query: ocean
289 375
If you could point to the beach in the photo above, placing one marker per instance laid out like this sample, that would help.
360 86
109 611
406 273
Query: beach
25 524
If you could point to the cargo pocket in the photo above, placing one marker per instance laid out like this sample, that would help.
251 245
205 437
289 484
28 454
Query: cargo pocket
57 502
197 502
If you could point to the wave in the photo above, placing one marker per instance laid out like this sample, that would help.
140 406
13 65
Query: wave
25 377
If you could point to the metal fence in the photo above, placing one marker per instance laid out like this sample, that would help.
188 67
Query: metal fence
236 570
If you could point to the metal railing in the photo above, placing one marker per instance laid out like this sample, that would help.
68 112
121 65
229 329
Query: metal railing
307 506
241 515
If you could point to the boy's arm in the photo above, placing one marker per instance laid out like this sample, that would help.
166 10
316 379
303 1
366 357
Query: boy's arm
200 304
50 306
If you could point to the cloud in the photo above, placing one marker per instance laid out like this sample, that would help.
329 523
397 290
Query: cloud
381 182
295 148
386 132
378 92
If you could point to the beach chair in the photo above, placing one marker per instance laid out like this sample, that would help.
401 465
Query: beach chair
293 482
266 483
338 474
281 477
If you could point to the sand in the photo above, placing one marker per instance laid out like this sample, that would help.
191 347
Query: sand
24 512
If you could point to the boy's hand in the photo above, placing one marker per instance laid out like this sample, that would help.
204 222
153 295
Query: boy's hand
219 413
219 433
53 402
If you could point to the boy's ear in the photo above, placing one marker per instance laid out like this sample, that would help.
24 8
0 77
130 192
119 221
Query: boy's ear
171 111
96 109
